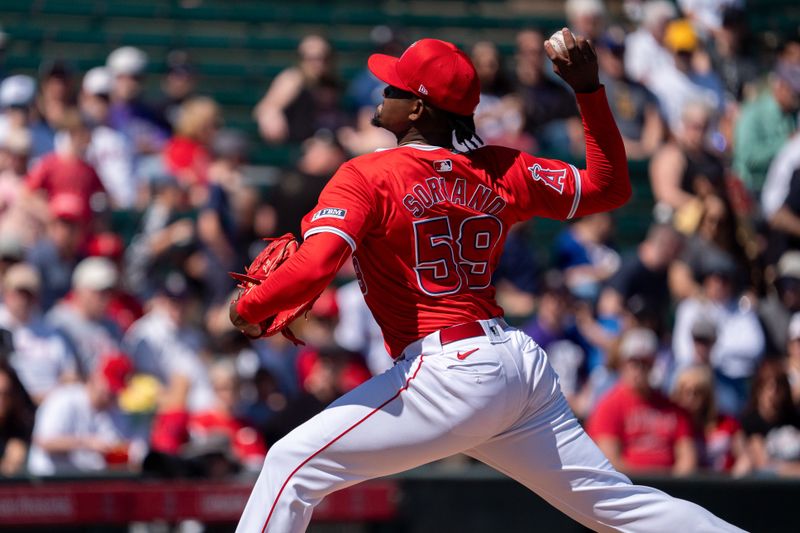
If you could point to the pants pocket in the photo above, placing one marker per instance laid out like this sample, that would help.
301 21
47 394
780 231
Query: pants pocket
475 392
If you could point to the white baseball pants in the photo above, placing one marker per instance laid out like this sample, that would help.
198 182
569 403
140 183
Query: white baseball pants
501 404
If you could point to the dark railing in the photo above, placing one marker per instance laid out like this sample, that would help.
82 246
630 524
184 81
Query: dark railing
429 499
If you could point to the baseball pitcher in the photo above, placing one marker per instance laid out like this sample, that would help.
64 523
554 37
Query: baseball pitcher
425 226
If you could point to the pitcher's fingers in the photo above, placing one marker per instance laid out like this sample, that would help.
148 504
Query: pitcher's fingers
572 48
590 52
569 39
551 52
252 330
583 48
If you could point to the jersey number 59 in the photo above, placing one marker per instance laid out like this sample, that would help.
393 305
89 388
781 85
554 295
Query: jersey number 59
446 261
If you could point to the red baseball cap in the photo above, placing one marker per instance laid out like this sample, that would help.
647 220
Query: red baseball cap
326 307
116 369
436 71
106 244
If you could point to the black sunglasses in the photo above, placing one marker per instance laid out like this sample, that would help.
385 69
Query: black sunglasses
397 94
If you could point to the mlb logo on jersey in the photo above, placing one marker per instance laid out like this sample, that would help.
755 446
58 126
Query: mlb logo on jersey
329 212
443 165
552 177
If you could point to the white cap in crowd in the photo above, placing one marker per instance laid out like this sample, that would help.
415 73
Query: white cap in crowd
794 327
657 12
789 265
638 343
17 141
127 61
95 273
704 329
22 276
17 90
576 8
97 81
11 248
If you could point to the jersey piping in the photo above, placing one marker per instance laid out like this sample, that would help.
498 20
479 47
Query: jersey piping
336 231
577 199
425 147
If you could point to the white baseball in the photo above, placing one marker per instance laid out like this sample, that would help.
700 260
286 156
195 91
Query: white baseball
558 44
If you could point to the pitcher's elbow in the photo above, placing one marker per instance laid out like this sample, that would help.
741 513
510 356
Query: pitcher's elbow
625 192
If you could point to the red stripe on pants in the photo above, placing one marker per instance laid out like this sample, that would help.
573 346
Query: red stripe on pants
342 434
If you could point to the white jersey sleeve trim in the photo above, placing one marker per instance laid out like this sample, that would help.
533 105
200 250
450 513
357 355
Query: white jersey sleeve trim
424 147
336 231
577 200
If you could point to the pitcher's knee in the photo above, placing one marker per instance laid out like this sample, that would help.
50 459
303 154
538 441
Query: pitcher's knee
293 472
282 458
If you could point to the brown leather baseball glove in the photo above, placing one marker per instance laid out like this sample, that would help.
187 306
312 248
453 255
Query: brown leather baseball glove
278 251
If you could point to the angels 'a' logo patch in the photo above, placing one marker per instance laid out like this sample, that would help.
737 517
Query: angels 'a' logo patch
443 165
552 177
329 212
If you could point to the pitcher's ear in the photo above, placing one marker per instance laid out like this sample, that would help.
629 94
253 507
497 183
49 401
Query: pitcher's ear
417 110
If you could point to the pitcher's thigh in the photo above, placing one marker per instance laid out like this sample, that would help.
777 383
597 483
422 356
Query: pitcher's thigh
384 426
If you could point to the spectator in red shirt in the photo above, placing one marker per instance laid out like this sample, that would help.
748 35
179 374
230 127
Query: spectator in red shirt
177 431
187 155
222 419
719 437
635 426
65 170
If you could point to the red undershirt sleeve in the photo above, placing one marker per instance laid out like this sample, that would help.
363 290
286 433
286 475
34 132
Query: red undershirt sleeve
298 280
605 181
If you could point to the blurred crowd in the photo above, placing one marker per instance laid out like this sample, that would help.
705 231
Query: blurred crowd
122 210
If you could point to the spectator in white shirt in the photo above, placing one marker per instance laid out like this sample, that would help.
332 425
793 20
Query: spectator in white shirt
40 356
79 427
82 315
779 177
109 151
644 48
740 339
163 344
680 84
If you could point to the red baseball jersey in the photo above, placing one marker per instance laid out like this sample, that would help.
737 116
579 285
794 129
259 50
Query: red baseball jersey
427 228
647 428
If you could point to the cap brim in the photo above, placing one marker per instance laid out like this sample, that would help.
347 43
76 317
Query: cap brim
27 287
384 67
